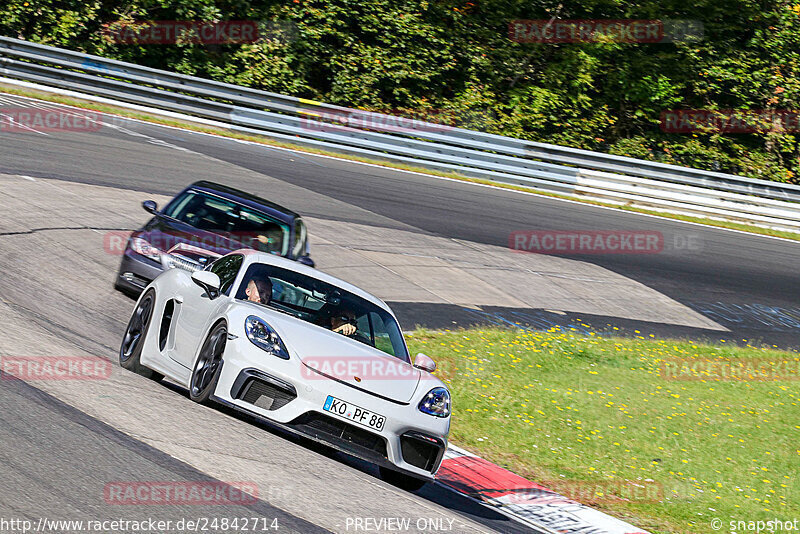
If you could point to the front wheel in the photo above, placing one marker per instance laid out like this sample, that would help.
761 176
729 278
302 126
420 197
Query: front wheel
401 480
208 366
130 351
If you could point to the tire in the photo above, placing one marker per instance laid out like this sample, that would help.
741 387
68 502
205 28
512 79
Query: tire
401 480
208 366
130 351
127 292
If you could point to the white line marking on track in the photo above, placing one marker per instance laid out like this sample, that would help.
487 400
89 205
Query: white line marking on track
11 101
20 125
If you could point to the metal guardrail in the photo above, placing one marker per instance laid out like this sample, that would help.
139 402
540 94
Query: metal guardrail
434 146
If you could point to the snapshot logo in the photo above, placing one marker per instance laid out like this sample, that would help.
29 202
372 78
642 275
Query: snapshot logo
356 368
729 121
181 32
54 368
725 370
180 493
395 121
586 241
554 31
584 492
771 526
18 120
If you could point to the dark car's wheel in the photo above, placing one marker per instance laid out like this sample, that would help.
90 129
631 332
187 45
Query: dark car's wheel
133 341
208 366
401 480
125 291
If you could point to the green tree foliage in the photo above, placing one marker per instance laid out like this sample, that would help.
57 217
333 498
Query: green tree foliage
454 59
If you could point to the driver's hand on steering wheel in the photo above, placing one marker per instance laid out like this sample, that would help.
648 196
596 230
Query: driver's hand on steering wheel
346 329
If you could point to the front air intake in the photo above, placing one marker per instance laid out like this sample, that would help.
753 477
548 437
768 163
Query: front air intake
262 390
421 451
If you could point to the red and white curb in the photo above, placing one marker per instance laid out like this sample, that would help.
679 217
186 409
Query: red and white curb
523 500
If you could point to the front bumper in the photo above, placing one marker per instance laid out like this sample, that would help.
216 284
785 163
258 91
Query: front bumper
410 441
136 272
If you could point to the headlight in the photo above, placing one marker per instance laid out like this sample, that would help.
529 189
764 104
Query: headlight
436 403
143 247
264 337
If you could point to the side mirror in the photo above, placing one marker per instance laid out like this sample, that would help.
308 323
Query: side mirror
424 362
150 206
208 281
306 260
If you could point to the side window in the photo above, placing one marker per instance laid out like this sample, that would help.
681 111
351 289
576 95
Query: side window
380 334
298 248
226 268
362 323
178 205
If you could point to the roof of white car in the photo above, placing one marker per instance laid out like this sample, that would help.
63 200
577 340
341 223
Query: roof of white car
252 256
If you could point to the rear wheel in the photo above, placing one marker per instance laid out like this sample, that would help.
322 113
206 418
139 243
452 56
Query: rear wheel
208 366
401 480
130 351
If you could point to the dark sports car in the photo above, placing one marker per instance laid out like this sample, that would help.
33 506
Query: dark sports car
203 222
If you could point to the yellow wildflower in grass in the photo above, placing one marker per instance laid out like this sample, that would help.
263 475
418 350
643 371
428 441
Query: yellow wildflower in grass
652 425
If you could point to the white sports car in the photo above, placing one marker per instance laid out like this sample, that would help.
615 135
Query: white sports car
297 347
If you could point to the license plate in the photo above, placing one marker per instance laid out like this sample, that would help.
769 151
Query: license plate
354 413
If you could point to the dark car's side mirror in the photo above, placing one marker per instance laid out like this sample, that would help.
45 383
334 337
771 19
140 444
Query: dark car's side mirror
306 260
150 206
209 281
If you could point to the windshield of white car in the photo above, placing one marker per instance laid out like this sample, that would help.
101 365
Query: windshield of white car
249 227
328 306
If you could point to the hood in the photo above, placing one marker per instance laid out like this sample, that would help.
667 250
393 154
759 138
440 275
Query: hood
327 355
169 235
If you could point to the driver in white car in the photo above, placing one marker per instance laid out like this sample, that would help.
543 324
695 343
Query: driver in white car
344 322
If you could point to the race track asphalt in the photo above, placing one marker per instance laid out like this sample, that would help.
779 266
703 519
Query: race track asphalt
64 442
747 283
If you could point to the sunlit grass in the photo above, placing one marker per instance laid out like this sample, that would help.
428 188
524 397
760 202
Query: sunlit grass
561 406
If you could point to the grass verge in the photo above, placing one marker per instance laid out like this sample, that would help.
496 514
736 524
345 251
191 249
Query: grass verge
196 127
596 412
